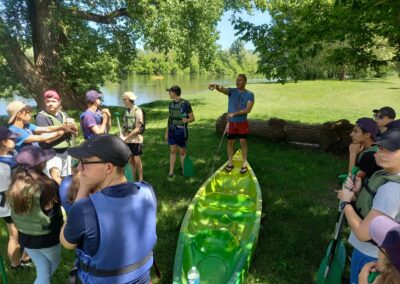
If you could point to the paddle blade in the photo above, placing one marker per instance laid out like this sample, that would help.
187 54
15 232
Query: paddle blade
340 252
128 172
334 275
188 168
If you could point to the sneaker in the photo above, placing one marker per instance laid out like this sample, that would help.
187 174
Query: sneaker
170 175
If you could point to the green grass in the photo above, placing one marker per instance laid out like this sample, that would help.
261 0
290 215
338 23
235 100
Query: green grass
299 203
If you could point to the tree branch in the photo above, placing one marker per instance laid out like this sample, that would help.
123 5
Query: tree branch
102 19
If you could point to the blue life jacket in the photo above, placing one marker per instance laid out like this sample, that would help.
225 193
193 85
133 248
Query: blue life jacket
127 228
88 133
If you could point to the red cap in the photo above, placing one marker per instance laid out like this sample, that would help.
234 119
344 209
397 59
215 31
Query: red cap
51 94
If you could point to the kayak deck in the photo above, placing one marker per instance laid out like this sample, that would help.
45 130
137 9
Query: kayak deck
220 229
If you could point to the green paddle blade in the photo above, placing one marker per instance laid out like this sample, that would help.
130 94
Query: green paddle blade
188 168
128 172
334 275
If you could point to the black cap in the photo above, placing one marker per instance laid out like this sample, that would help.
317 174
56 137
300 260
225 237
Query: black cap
109 148
6 133
390 140
386 111
175 89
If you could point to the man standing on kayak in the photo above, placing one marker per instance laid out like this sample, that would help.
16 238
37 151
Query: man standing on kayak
240 103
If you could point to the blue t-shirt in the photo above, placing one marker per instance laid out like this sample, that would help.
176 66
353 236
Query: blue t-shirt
238 101
23 133
63 190
88 120
82 227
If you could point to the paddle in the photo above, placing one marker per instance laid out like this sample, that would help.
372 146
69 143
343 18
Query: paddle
219 148
128 168
188 168
332 265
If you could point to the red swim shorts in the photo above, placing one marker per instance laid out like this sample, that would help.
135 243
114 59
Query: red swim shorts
238 128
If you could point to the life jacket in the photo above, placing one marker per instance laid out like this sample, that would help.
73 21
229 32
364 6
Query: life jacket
65 143
368 191
176 113
88 133
130 120
10 161
127 237
36 222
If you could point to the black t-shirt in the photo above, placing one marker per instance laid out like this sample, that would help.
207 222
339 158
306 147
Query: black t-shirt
367 163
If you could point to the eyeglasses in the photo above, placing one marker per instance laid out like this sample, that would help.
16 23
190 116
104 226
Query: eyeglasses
83 163
378 116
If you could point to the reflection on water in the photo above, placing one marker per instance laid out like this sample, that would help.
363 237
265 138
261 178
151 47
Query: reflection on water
149 88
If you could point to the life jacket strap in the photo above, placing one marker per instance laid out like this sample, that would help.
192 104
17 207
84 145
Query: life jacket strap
114 272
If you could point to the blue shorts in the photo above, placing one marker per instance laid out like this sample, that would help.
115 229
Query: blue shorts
177 136
358 260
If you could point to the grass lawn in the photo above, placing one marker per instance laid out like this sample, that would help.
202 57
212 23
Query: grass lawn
299 203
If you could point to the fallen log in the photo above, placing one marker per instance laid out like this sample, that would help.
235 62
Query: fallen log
330 136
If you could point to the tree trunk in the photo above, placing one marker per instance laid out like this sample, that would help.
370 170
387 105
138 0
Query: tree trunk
330 136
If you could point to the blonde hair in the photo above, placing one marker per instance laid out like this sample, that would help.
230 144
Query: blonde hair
389 274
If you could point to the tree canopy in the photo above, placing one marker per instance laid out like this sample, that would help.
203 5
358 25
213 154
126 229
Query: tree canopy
73 46
358 33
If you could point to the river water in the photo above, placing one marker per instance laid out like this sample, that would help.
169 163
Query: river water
150 88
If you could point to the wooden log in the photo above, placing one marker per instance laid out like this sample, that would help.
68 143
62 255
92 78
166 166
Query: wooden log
331 136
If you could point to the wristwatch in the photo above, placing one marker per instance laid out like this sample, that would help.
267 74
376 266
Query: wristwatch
344 203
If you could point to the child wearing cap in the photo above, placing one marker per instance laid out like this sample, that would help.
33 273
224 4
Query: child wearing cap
380 196
7 163
384 117
361 150
385 232
94 120
132 133
36 211
52 115
19 122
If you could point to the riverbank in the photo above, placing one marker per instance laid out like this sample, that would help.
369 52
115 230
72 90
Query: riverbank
299 203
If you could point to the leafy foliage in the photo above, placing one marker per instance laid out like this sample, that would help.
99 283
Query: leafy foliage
78 45
354 34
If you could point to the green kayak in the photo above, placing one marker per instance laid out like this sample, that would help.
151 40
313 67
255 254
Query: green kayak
220 229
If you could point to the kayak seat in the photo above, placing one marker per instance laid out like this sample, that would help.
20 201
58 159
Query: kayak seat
216 241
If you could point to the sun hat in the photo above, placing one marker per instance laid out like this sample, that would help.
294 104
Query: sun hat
13 108
129 95
385 232
369 125
109 148
30 156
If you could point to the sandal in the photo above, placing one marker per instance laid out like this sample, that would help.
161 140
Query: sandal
243 170
229 168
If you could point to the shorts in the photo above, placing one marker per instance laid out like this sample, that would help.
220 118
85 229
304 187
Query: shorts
177 136
238 129
136 148
8 219
62 161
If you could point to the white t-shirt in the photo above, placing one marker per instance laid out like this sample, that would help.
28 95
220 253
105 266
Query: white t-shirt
5 181
387 201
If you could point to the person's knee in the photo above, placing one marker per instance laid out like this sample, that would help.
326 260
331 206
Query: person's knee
243 142
173 151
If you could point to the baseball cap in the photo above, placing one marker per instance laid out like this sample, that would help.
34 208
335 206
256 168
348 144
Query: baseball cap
369 125
6 133
109 148
51 94
390 139
30 156
129 95
385 232
13 108
175 89
92 95
386 111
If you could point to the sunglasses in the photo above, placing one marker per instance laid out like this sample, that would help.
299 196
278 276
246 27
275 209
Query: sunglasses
83 163
378 116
